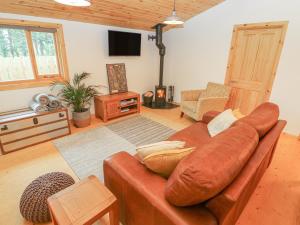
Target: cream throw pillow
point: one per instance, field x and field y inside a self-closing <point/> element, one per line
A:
<point x="145" y="150"/>
<point x="164" y="162"/>
<point x="221" y="122"/>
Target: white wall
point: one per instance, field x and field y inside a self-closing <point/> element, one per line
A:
<point x="87" y="50"/>
<point x="198" y="53"/>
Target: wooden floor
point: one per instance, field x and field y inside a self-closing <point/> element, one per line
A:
<point x="276" y="201"/>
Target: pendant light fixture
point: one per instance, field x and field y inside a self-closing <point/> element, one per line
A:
<point x="173" y="19"/>
<point x="79" y="3"/>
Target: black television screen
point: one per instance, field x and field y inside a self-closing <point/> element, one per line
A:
<point x="124" y="43"/>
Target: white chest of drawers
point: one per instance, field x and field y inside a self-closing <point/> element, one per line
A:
<point x="24" y="129"/>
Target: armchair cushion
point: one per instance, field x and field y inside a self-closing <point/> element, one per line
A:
<point x="216" y="90"/>
<point x="195" y="103"/>
<point x="191" y="95"/>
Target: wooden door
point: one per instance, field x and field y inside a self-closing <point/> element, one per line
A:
<point x="254" y="56"/>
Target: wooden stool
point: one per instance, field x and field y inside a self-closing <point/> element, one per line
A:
<point x="83" y="203"/>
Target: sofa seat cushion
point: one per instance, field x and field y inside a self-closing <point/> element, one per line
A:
<point x="189" y="106"/>
<point x="208" y="170"/>
<point x="141" y="195"/>
<point x="195" y="135"/>
<point x="263" y="118"/>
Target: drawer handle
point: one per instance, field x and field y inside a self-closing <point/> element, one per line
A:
<point x="35" y="121"/>
<point x="4" y="128"/>
<point x="61" y="115"/>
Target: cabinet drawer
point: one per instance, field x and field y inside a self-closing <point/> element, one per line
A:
<point x="31" y="122"/>
<point x="34" y="140"/>
<point x="33" y="131"/>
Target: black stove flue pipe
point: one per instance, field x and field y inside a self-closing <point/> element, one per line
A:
<point x="162" y="50"/>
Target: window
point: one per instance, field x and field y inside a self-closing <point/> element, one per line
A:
<point x="31" y="54"/>
<point x="45" y="53"/>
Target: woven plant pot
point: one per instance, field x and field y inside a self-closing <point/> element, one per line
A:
<point x="33" y="203"/>
<point x="82" y="119"/>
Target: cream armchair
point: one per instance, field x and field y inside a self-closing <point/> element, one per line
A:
<point x="195" y="103"/>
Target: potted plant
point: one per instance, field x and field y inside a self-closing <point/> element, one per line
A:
<point x="78" y="95"/>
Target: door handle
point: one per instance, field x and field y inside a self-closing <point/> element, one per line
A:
<point x="61" y="115"/>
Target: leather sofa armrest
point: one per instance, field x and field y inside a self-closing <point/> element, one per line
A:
<point x="228" y="205"/>
<point x="208" y="116"/>
<point x="129" y="169"/>
<point x="141" y="196"/>
<point x="191" y="95"/>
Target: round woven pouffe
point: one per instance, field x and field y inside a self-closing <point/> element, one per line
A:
<point x="33" y="203"/>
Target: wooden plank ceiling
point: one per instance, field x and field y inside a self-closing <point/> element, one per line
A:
<point x="138" y="14"/>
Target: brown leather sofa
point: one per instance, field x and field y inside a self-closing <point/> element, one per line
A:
<point x="141" y="193"/>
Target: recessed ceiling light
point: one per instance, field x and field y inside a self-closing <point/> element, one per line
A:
<point x="74" y="2"/>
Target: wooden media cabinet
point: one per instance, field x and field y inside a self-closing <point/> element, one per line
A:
<point x="116" y="105"/>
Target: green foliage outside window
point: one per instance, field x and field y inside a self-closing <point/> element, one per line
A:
<point x="15" y="61"/>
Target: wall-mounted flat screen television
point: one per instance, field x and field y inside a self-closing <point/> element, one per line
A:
<point x="124" y="43"/>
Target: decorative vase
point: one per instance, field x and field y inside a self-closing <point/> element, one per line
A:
<point x="82" y="119"/>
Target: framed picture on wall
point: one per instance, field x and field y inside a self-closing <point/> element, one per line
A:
<point x="116" y="75"/>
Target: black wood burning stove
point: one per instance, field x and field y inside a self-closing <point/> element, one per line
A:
<point x="160" y="95"/>
<point x="160" y="90"/>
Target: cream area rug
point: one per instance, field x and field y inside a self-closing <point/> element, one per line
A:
<point x="85" y="151"/>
